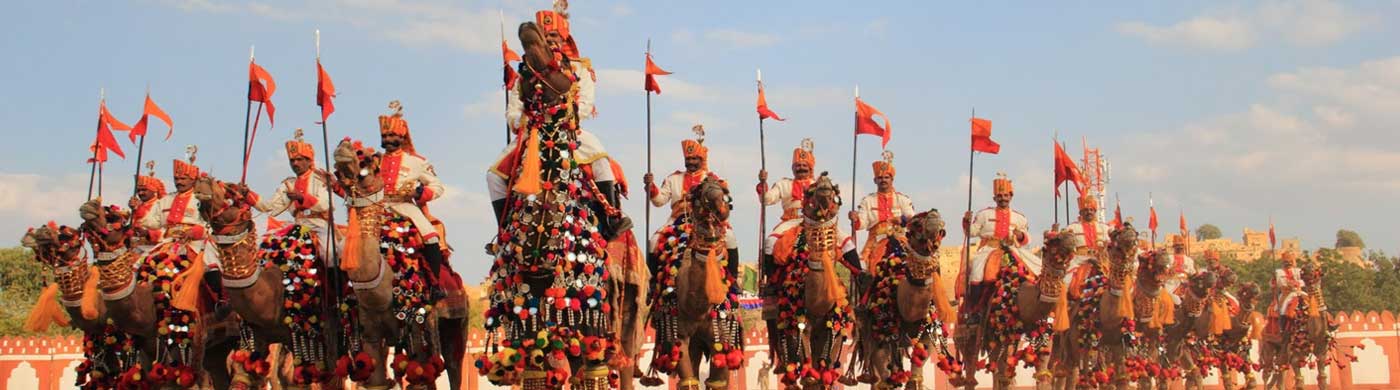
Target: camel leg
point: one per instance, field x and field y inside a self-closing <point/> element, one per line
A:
<point x="632" y="315"/>
<point x="452" y="339"/>
<point x="214" y="363"/>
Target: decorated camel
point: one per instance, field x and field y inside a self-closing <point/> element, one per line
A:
<point x="158" y="297"/>
<point x="1095" y="340"/>
<point x="1010" y="325"/>
<point x="905" y="312"/>
<point x="1302" y="332"/>
<point x="107" y="351"/>
<point x="381" y="257"/>
<point x="1155" y="311"/>
<point x="815" y="317"/>
<point x="548" y="320"/>
<point x="695" y="306"/>
<point x="1235" y="345"/>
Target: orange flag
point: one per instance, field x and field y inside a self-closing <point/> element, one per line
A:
<point x="507" y="56"/>
<point x="1065" y="170"/>
<point x="1117" y="216"/>
<point x="111" y="120"/>
<point x="99" y="153"/>
<point x="105" y="139"/>
<point x="982" y="137"/>
<point x="1184" y="232"/>
<point x="865" y="122"/>
<point x="151" y="109"/>
<point x="763" y="111"/>
<point x="1273" y="240"/>
<point x="325" y="92"/>
<point x="1152" y="218"/>
<point x="651" y="71"/>
<point x="261" y="87"/>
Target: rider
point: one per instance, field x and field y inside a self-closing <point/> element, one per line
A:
<point x="305" y="194"/>
<point x="177" y="216"/>
<point x="1288" y="286"/>
<point x="995" y="228"/>
<point x="1089" y="235"/>
<point x="675" y="189"/>
<point x="149" y="188"/>
<point x="1181" y="270"/>
<point x="882" y="212"/>
<point x="409" y="184"/>
<point x="789" y="191"/>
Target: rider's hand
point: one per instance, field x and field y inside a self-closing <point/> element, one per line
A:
<point x="763" y="176"/>
<point x="853" y="216"/>
<point x="647" y="179"/>
<point x="133" y="203"/>
<point x="295" y="197"/>
<point x="967" y="222"/>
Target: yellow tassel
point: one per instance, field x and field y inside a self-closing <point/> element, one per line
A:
<point x="90" y="295"/>
<point x="1256" y="330"/>
<point x="46" y="311"/>
<point x="187" y="286"/>
<point x="1313" y="310"/>
<point x="1166" y="308"/>
<point x="941" y="302"/>
<point x="1062" y="313"/>
<point x="529" y="180"/>
<point x="1125" y="301"/>
<point x="1219" y="318"/>
<point x="833" y="287"/>
<point x="350" y="256"/>
<point x="714" y="280"/>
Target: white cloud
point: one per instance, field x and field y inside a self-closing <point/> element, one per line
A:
<point x="1372" y="87"/>
<point x="741" y="39"/>
<point x="1202" y="32"/>
<point x="621" y="10"/>
<point x="487" y="105"/>
<point x="629" y="81"/>
<point x="1298" y="22"/>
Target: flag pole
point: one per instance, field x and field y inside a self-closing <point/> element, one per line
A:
<point x="1055" y="198"/>
<point x="1069" y="216"/>
<point x="762" y="166"/>
<point x="646" y="203"/>
<point x="248" y="108"/>
<point x="855" y="238"/>
<point x="92" y="171"/>
<point x="506" y="87"/>
<point x="967" y="237"/>
<point x="140" y="147"/>
<point x="332" y="277"/>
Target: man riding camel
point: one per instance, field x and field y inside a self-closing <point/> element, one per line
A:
<point x="996" y="228"/>
<point x="304" y="194"/>
<point x="675" y="190"/>
<point x="177" y="217"/>
<point x="149" y="188"/>
<point x="881" y="213"/>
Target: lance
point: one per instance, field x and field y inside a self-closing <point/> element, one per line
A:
<point x="140" y="147"/>
<point x="1069" y="216"/>
<point x="1055" y="200"/>
<point x="646" y="203"/>
<point x="855" y="136"/>
<point x="506" y="87"/>
<point x="92" y="171"/>
<point x="762" y="166"/>
<point x="333" y="277"/>
<point x="248" y="138"/>
<point x="967" y="237"/>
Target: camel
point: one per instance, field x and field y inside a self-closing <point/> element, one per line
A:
<point x="815" y="318"/>
<point x="107" y="351"/>
<point x="1018" y="307"/>
<point x="1155" y="311"/>
<point x="696" y="306"/>
<point x="1304" y="339"/>
<point x="905" y="311"/>
<point x="1093" y="350"/>
<point x="138" y="292"/>
<point x="1235" y="344"/>
<point x="391" y="307"/>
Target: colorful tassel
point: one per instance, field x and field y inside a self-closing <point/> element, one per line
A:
<point x="1062" y="313"/>
<point x="187" y="286"/>
<point x="350" y="256"/>
<point x="46" y="311"/>
<point x="1166" y="309"/>
<point x="1219" y="317"/>
<point x="834" y="292"/>
<point x="715" y="288"/>
<point x="529" y="181"/>
<point x="1125" y="301"/>
<point x="90" y="296"/>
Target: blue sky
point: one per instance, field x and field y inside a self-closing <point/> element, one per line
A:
<point x="1231" y="111"/>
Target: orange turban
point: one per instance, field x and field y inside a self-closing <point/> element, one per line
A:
<point x="1088" y="202"/>
<point x="186" y="170"/>
<point x="395" y="124"/>
<point x="297" y="148"/>
<point x="883" y="168"/>
<point x="693" y="148"/>
<point x="804" y="155"/>
<point x="1002" y="185"/>
<point x="150" y="183"/>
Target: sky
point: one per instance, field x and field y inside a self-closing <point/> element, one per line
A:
<point x="1229" y="112"/>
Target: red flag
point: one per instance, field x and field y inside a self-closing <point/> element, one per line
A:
<point x="261" y="87"/>
<point x="104" y="135"/>
<point x="325" y="92"/>
<point x="1152" y="219"/>
<point x="1273" y="240"/>
<point x="1184" y="232"/>
<point x="507" y="56"/>
<point x="111" y="121"/>
<point x="1065" y="170"/>
<point x="99" y="154"/>
<point x="1117" y="216"/>
<point x="982" y="137"/>
<point x="652" y="71"/>
<point x="865" y="122"/>
<point x="151" y="109"/>
<point x="763" y="111"/>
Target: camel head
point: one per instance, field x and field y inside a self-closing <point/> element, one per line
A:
<point x="925" y="232"/>
<point x="1152" y="269"/>
<point x="1122" y="243"/>
<point x="357" y="167"/>
<point x="54" y="245"/>
<point x="227" y="206"/>
<point x="544" y="64"/>
<point x="1311" y="271"/>
<point x="1203" y="284"/>
<point x="709" y="209"/>
<point x="1248" y="295"/>
<point x="1058" y="249"/>
<point x="106" y="228"/>
<point x="822" y="200"/>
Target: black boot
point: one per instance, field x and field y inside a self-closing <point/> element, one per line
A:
<point x="499" y="206"/>
<point x="215" y="280"/>
<point x="733" y="266"/>
<point x="432" y="252"/>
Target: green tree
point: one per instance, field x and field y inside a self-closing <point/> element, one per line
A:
<point x="1208" y="232"/>
<point x="1347" y="238"/>
<point x="21" y="281"/>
